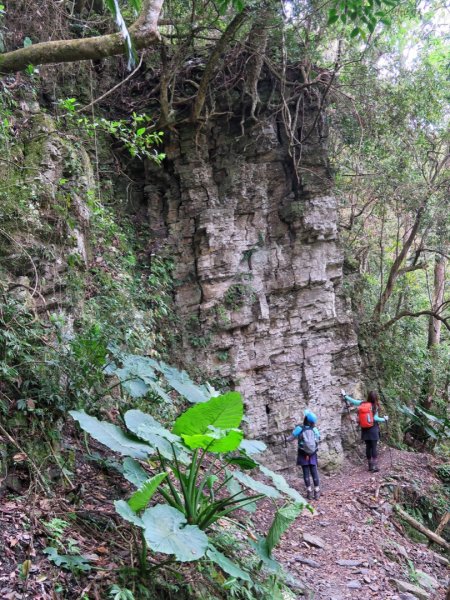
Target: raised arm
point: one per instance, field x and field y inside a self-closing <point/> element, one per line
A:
<point x="294" y="435"/>
<point x="350" y="400"/>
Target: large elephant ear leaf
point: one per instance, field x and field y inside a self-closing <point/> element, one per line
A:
<point x="183" y="384"/>
<point x="252" y="446"/>
<point x="111" y="436"/>
<point x="226" y="443"/>
<point x="260" y="547"/>
<point x="166" y="531"/>
<point x="256" y="486"/>
<point x="226" y="564"/>
<point x="141" y="423"/>
<point x="221" y="412"/>
<point x="282" y="485"/>
<point x="284" y="517"/>
<point x="159" y="438"/>
<point x="124" y="510"/>
<point x="133" y="472"/>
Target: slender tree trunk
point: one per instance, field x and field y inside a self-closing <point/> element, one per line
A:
<point x="434" y="327"/>
<point x="395" y="269"/>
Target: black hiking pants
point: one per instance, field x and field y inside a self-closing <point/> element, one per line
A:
<point x="371" y="449"/>
<point x="310" y="470"/>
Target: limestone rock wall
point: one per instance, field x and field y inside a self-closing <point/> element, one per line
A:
<point x="258" y="273"/>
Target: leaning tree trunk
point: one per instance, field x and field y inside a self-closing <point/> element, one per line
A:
<point x="396" y="267"/>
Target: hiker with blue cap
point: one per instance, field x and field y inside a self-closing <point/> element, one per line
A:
<point x="308" y="437"/>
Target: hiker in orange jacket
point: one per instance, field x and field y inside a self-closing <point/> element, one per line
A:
<point x="368" y="420"/>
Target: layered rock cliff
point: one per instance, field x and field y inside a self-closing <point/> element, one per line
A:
<point x="259" y="270"/>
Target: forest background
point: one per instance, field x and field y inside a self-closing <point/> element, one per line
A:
<point x="380" y="70"/>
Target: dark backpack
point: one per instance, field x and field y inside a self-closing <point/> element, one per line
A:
<point x="307" y="442"/>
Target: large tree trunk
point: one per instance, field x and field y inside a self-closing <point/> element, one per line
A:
<point x="144" y="32"/>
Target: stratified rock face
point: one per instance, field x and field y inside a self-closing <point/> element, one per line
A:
<point x="258" y="269"/>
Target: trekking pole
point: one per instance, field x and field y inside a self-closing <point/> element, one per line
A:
<point x="287" y="455"/>
<point x="388" y="430"/>
<point x="389" y="446"/>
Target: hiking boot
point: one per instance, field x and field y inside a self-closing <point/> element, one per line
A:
<point x="308" y="493"/>
<point x="370" y="465"/>
<point x="375" y="468"/>
<point x="316" y="493"/>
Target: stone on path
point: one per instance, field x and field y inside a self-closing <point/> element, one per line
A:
<point x="404" y="586"/>
<point x="350" y="563"/>
<point x="309" y="562"/>
<point x="426" y="580"/>
<point x="314" y="540"/>
<point x="354" y="584"/>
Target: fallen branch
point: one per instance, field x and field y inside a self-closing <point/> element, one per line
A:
<point x="427" y="532"/>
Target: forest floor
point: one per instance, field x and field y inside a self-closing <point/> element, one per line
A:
<point x="364" y="546"/>
<point x="356" y="548"/>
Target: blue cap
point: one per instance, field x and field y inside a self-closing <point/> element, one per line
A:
<point x="310" y="416"/>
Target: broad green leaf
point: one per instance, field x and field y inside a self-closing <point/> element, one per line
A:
<point x="252" y="446"/>
<point x="284" y="517"/>
<point x="124" y="510"/>
<point x="141" y="366"/>
<point x="282" y="485"/>
<point x="244" y="462"/>
<point x="262" y="551"/>
<point x="228" y="443"/>
<point x="182" y="383"/>
<point x="133" y="472"/>
<point x="166" y="531"/>
<point x="140" y="499"/>
<point x="161" y="393"/>
<point x="161" y="439"/>
<point x="222" y="412"/>
<point x="256" y="486"/>
<point x="111" y="436"/>
<point x="226" y="564"/>
<point x="135" y="387"/>
<point x="234" y="488"/>
<point x="141" y="424"/>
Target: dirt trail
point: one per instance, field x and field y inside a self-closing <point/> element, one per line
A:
<point x="355" y="526"/>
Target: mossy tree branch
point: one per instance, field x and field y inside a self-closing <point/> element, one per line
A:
<point x="144" y="33"/>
